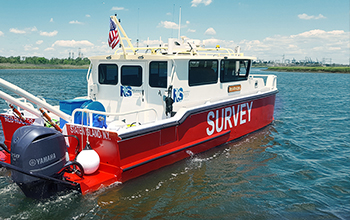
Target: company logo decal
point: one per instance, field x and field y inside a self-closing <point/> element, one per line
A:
<point x="178" y="94"/>
<point x="125" y="91"/>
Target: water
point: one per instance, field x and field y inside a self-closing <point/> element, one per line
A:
<point x="296" y="168"/>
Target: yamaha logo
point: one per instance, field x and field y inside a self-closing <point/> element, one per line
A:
<point x="41" y="160"/>
<point x="32" y="162"/>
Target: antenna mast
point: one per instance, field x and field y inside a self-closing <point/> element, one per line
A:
<point x="179" y="23"/>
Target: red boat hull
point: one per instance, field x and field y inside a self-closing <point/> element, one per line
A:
<point x="130" y="155"/>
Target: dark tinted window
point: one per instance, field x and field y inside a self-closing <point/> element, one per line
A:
<point x="234" y="70"/>
<point x="131" y="75"/>
<point x="201" y="72"/>
<point x="108" y="74"/>
<point x="158" y="73"/>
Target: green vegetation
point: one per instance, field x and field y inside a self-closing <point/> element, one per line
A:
<point x="321" y="69"/>
<point x="42" y="63"/>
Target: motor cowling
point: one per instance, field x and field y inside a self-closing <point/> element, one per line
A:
<point x="38" y="150"/>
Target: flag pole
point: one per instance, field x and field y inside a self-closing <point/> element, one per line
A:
<point x="124" y="37"/>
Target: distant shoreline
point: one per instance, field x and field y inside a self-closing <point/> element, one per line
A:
<point x="318" y="69"/>
<point x="41" y="66"/>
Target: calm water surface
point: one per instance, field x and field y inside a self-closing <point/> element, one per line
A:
<point x="296" y="168"/>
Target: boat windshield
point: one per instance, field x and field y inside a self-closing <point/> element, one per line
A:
<point x="234" y="70"/>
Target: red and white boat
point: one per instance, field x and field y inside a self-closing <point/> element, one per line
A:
<point x="145" y="108"/>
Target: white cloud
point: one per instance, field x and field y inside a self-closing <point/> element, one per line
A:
<point x="49" y="49"/>
<point x="39" y="42"/>
<point x="48" y="34"/>
<point x="191" y="31"/>
<point x="51" y="20"/>
<point x="75" y="22"/>
<point x="88" y="16"/>
<point x="210" y="31"/>
<point x="16" y="31"/>
<point x="320" y="34"/>
<point x="168" y="13"/>
<point x="317" y="44"/>
<point x="118" y="9"/>
<point x="1" y="33"/>
<point x="213" y="42"/>
<point x="30" y="48"/>
<point x="309" y="17"/>
<point x="187" y="22"/>
<point x="24" y="31"/>
<point x="334" y="48"/>
<point x="72" y="43"/>
<point x="195" y="3"/>
<point x="168" y="25"/>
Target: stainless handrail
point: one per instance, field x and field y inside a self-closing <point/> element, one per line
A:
<point x="90" y="112"/>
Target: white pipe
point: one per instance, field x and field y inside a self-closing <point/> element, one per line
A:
<point x="20" y="104"/>
<point x="32" y="98"/>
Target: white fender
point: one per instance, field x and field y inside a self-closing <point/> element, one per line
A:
<point x="90" y="161"/>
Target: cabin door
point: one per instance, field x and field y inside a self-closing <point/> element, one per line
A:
<point x="157" y="85"/>
<point x="132" y="92"/>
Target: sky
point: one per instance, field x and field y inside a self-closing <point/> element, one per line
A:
<point x="269" y="29"/>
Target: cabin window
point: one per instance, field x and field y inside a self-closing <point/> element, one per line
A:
<point x="202" y="72"/>
<point x="108" y="74"/>
<point x="131" y="75"/>
<point x="158" y="74"/>
<point x="234" y="70"/>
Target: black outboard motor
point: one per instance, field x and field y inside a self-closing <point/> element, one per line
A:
<point x="40" y="151"/>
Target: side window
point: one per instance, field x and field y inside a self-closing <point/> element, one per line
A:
<point x="108" y="74"/>
<point x="234" y="70"/>
<point x="244" y="68"/>
<point x="158" y="74"/>
<point x="201" y="72"/>
<point x="131" y="75"/>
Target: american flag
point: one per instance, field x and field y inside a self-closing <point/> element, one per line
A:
<point x="113" y="38"/>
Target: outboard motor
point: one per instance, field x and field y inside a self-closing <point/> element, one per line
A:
<point x="40" y="151"/>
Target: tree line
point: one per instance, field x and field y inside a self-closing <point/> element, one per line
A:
<point x="42" y="60"/>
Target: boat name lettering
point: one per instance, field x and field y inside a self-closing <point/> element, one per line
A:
<point x="228" y="115"/>
<point x="41" y="160"/>
<point x="90" y="132"/>
<point x="13" y="119"/>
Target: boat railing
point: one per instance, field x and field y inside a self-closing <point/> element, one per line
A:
<point x="30" y="97"/>
<point x="152" y="50"/>
<point x="217" y="52"/>
<point x="194" y="52"/>
<point x="91" y="112"/>
<point x="270" y="80"/>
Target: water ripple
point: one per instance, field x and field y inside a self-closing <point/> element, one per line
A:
<point x="296" y="168"/>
